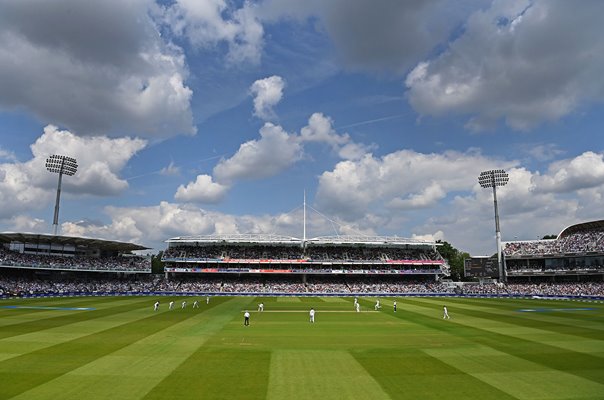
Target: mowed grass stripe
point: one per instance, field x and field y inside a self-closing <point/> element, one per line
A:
<point x="416" y="375"/>
<point x="15" y="346"/>
<point x="69" y="317"/>
<point x="134" y="370"/>
<point x="228" y="372"/>
<point x="327" y="375"/>
<point x="533" y="319"/>
<point x="520" y="378"/>
<point x="284" y="299"/>
<point x="29" y="370"/>
<point x="503" y="324"/>
<point x="596" y="317"/>
<point x="217" y="374"/>
<point x="592" y="319"/>
<point x="9" y="316"/>
<point x="580" y="364"/>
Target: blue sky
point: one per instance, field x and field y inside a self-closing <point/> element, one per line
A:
<point x="214" y="116"/>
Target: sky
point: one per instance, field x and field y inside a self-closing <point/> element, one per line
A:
<point x="199" y="117"/>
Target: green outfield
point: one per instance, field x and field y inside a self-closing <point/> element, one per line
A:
<point x="122" y="349"/>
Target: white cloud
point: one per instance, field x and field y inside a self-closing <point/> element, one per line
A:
<point x="522" y="61"/>
<point x="582" y="172"/>
<point x="275" y="151"/>
<point x="544" y="152"/>
<point x="267" y="93"/>
<point x="209" y="23"/>
<point x="438" y="235"/>
<point x="320" y="130"/>
<point x="25" y="223"/>
<point x="7" y="155"/>
<point x="203" y="190"/>
<point x="428" y="196"/>
<point x="170" y="170"/>
<point x="152" y="225"/>
<point x="28" y="186"/>
<point x="403" y="179"/>
<point x="96" y="68"/>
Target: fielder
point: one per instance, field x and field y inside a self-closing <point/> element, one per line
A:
<point x="445" y="313"/>
<point x="312" y="315"/>
<point x="171" y="306"/>
<point x="156" y="306"/>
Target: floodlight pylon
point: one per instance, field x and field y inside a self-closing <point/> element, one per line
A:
<point x="492" y="179"/>
<point x="61" y="165"/>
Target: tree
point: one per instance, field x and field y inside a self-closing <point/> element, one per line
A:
<point x="454" y="257"/>
<point x="157" y="266"/>
<point x="549" y="237"/>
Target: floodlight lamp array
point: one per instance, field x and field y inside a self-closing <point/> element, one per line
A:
<point x="492" y="178"/>
<point x="61" y="164"/>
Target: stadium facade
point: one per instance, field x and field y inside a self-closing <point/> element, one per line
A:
<point x="577" y="253"/>
<point x="283" y="255"/>
<point x="42" y="253"/>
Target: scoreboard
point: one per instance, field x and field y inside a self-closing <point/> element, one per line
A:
<point x="481" y="267"/>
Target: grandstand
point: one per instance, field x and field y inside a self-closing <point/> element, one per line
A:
<point x="578" y="251"/>
<point x="42" y="253"/>
<point x="263" y="255"/>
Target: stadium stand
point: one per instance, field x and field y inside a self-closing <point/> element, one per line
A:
<point x="577" y="251"/>
<point x="283" y="255"/>
<point x="49" y="252"/>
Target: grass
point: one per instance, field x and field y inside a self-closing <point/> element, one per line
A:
<point x="124" y="350"/>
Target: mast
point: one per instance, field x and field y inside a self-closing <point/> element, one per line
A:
<point x="304" y="222"/>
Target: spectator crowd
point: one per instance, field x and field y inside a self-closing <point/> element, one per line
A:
<point x="330" y="253"/>
<point x="577" y="242"/>
<point x="21" y="285"/>
<point x="119" y="263"/>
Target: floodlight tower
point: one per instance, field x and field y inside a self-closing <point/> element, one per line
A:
<point x="488" y="179"/>
<point x="60" y="165"/>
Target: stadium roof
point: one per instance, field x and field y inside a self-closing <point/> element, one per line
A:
<point x="235" y="238"/>
<point x="279" y="239"/>
<point x="367" y="240"/>
<point x="8" y="237"/>
<point x="584" y="226"/>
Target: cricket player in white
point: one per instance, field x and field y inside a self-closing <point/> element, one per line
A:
<point x="261" y="307"/>
<point x="377" y="305"/>
<point x="207" y="299"/>
<point x="195" y="304"/>
<point x="394" y="305"/>
<point x="171" y="306"/>
<point x="156" y="306"/>
<point x="356" y="301"/>
<point x="184" y="304"/>
<point x="445" y="313"/>
<point x="312" y="315"/>
<point x="246" y="318"/>
<point x="357" y="307"/>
